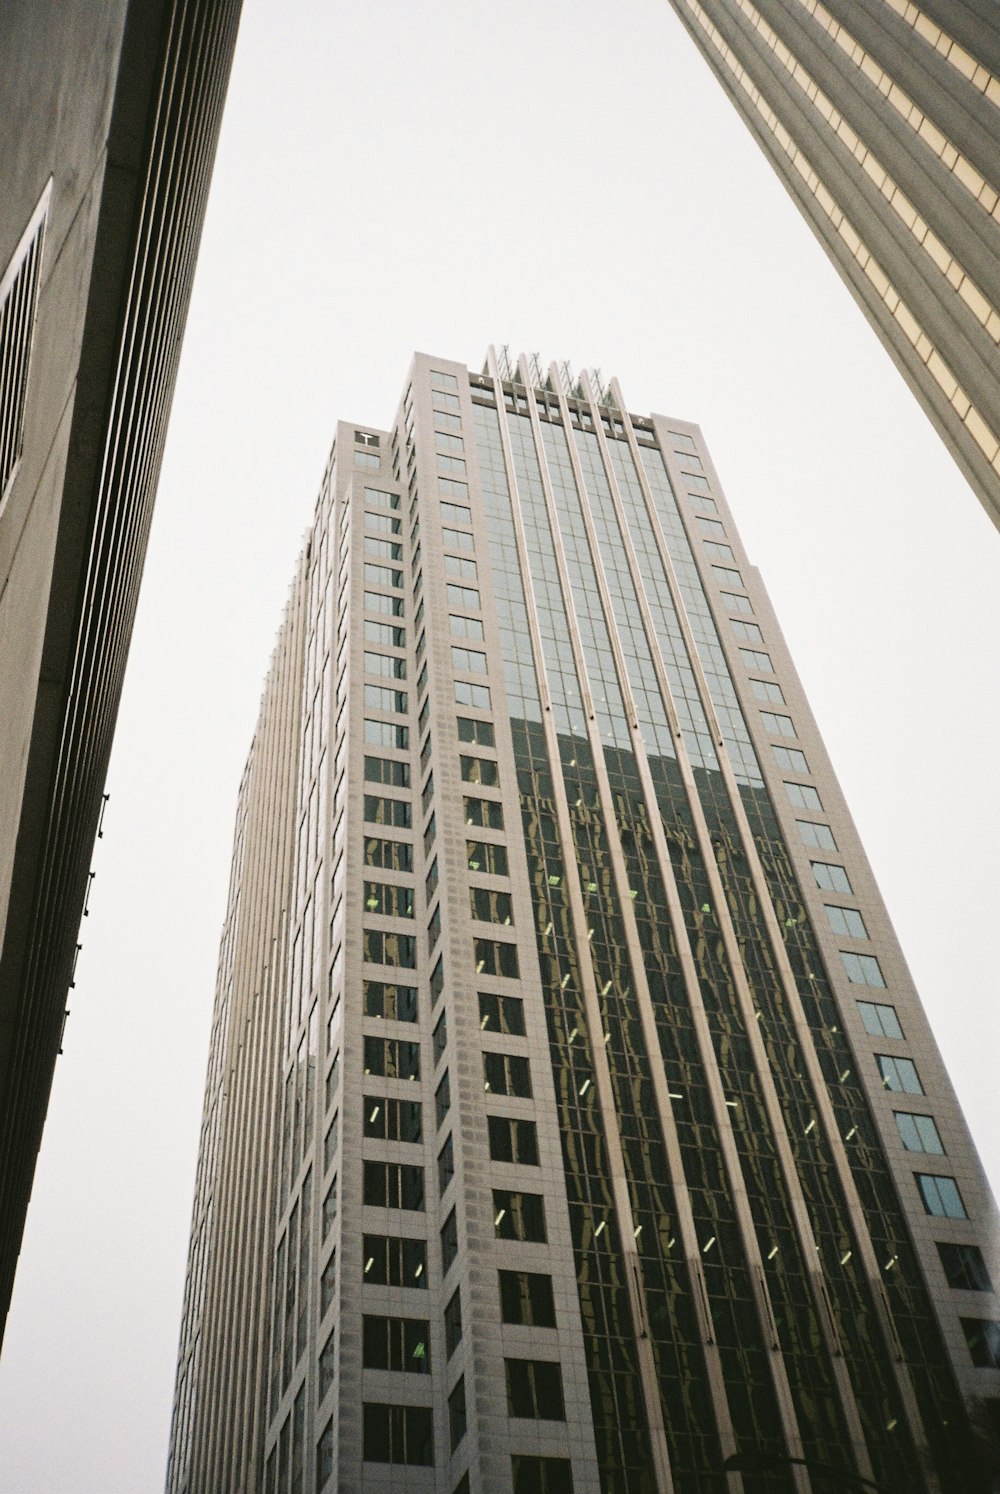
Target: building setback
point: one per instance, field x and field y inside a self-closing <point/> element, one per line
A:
<point x="882" y="119"/>
<point x="111" y="113"/>
<point x="571" y="1120"/>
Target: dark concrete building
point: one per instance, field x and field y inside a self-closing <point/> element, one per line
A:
<point x="571" y="1123"/>
<point x="110" y="112"/>
<point x="882" y="118"/>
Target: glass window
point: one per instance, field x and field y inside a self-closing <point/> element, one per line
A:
<point x="819" y="836"/>
<point x="486" y="857"/>
<point x="443" y="441"/>
<point x="846" y="921"/>
<point x="485" y="812"/>
<point x="381" y="498"/>
<point x="862" y="970"/>
<point x="446" y="1165"/>
<point x="370" y="461"/>
<point x="726" y="576"/>
<point x="767" y="690"/>
<point x="376" y="632"/>
<point x="982" y="1338"/>
<point x="393" y="1185"/>
<point x="390" y="1261"/>
<point x="391" y="1120"/>
<point x="519" y="1216"/>
<point x="397" y="1434"/>
<point x="749" y="632"/>
<point x="964" y="1268"/>
<point x="444" y="421"/>
<point x="736" y="603"/>
<point x="456" y="513"/>
<point x="755" y="658"/>
<point x="482" y="770"/>
<point x="457" y="565"/>
<point x="442" y="1100"/>
<point x="387" y="734"/>
<point x="381" y="811"/>
<point x="395" y="1003"/>
<point x="393" y="855"/>
<point x="479" y="733"/>
<point x="463" y="596"/>
<point x="899" y="1074"/>
<point x="513" y="1140"/>
<point x="720" y="552"/>
<point x="387" y="770"/>
<point x="714" y="528"/>
<point x="376" y="601"/>
<point x="453" y="1322"/>
<point x="790" y="759"/>
<point x="467" y="660"/>
<point x="457" y="539"/>
<point x="457" y="1422"/>
<point x="392" y="1058"/>
<point x="533" y="1475"/>
<point x="467" y="627"/>
<point x="534" y="1388"/>
<point x="918" y="1133"/>
<point x="803" y="796"/>
<point x="452" y="487"/>
<point x="941" y="1196"/>
<point x="381" y="948"/>
<point x="491" y="907"/>
<point x="440" y="1037"/>
<point x="880" y="1019"/>
<point x="449" y="1242"/>
<point x="400" y="1344"/>
<point x="493" y="958"/>
<point x="507" y="1074"/>
<point x="445" y="381"/>
<point x="378" y="698"/>
<point x="501" y="1014"/>
<point x="390" y="666"/>
<point x="476" y="696"/>
<point x="526" y="1297"/>
<point x="387" y="898"/>
<point x="777" y="726"/>
<point x="830" y="877"/>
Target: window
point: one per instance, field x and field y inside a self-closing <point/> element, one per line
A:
<point x="519" y="1216"/>
<point x="491" y="907"/>
<point x="394" y="1185"/>
<point x="376" y="632"/>
<point x="440" y="1037"/>
<point x="791" y="759"/>
<point x="493" y="958"/>
<point x="327" y="1364"/>
<point x="434" y="929"/>
<point x="437" y="980"/>
<point x="899" y="1074"/>
<point x="802" y="795"/>
<point x="370" y="461"/>
<point x="457" y="565"/>
<point x="501" y="1014"/>
<point x="444" y="421"/>
<point x="383" y="524"/>
<point x="427" y="794"/>
<point x="387" y="734"/>
<point x="382" y="549"/>
<point x="735" y="603"/>
<point x="392" y="1058"/>
<point x="389" y="1261"/>
<point x="767" y="690"/>
<point x="19" y="286"/>
<point x="507" y="1074"/>
<point x="388" y="899"/>
<point x="964" y="1268"/>
<point x="466" y="597"/>
<point x="526" y="1297"/>
<point x="449" y="1242"/>
<point x="442" y="1100"/>
<point x="456" y="513"/>
<point x="379" y="811"/>
<point x="398" y="1434"/>
<point x="376" y="601"/>
<point x="982" y="1338"/>
<point x="476" y="696"/>
<point x="452" y="464"/>
<point x="941" y="1196"/>
<point x="387" y="665"/>
<point x="324" y="1455"/>
<point x="445" y="442"/>
<point x="754" y="659"/>
<point x="918" y="1133"/>
<point x="726" y="576"/>
<point x="719" y="552"/>
<point x="382" y="575"/>
<point x="534" y="1388"/>
<point x="366" y="438"/>
<point x="444" y="381"/>
<point x="846" y="921"/>
<point x="446" y="1165"/>
<point x="777" y="726"/>
<point x="479" y="733"/>
<point x="467" y="660"/>
<point x="712" y="527"/>
<point x="452" y="487"/>
<point x="533" y="1475"/>
<point x="392" y="855"/>
<point x="391" y="1120"/>
<point x="401" y="1344"/>
<point x="457" y="539"/>
<point x="467" y="627"/>
<point x="381" y="499"/>
<point x="441" y="400"/>
<point x="485" y="812"/>
<point x="485" y="857"/>
<point x="378" y="698"/>
<point x="830" y="877"/>
<point x="749" y="632"/>
<point x="862" y="970"/>
<point x="381" y="948"/>
<point x="330" y="1204"/>
<point x="456" y="1415"/>
<point x="818" y="836"/>
<point x="879" y="1019"/>
<point x="513" y="1140"/>
<point x="479" y="770"/>
<point x="453" y="1323"/>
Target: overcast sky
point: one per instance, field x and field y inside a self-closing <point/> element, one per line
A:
<point x="567" y="177"/>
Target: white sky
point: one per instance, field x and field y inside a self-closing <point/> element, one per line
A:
<point x="565" y="176"/>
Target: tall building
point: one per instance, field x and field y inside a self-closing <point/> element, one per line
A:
<point x="111" y="113"/>
<point x="571" y="1120"/>
<point x="882" y="118"/>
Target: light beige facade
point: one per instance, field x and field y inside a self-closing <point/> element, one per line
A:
<point x="572" y="1122"/>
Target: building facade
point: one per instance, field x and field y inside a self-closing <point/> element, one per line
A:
<point x="882" y="119"/>
<point x="111" y="113"/>
<point x="571" y="1120"/>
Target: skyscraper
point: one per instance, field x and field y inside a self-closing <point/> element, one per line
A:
<point x="111" y="114"/>
<point x="571" y="1121"/>
<point x="882" y="118"/>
